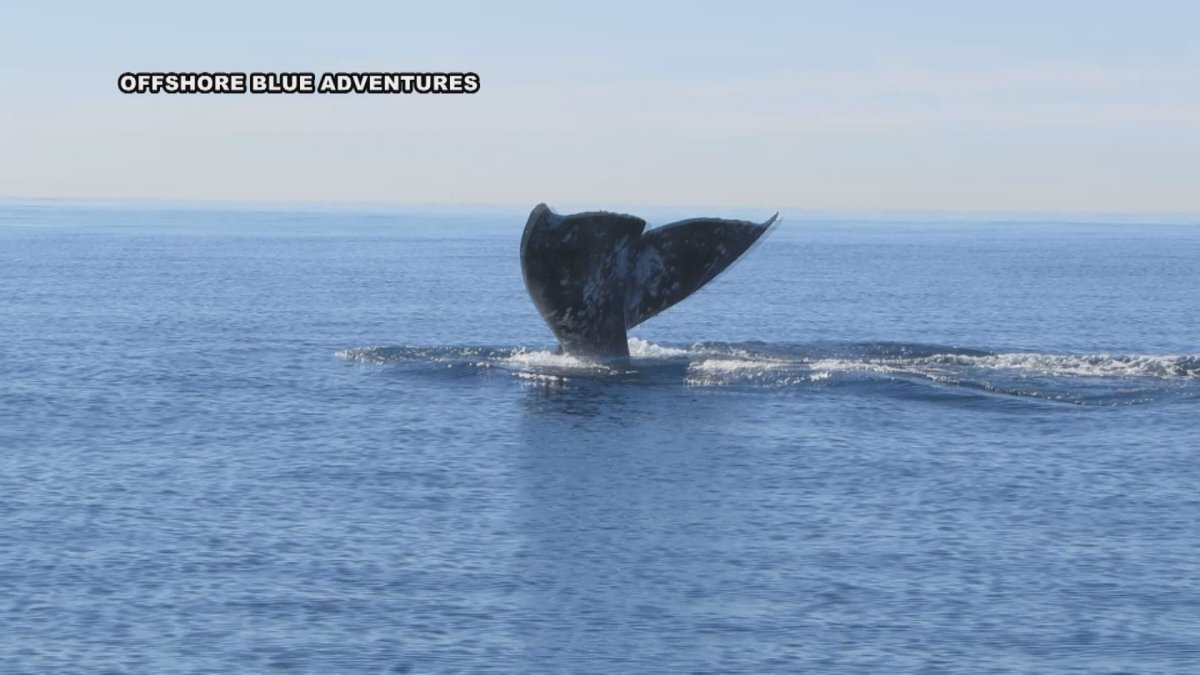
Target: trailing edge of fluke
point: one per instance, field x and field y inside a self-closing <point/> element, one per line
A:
<point x="595" y="275"/>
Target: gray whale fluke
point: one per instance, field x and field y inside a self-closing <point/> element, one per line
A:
<point x="595" y="275"/>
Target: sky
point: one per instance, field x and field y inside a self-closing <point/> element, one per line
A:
<point x="964" y="105"/>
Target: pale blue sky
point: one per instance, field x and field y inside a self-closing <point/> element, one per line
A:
<point x="1075" y="106"/>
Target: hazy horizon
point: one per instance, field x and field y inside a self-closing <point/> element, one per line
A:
<point x="654" y="214"/>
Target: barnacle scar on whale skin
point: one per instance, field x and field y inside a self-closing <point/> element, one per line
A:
<point x="595" y="275"/>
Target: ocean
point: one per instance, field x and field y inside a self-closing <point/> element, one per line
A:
<point x="289" y="438"/>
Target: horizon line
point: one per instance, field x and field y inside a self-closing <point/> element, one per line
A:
<point x="476" y="207"/>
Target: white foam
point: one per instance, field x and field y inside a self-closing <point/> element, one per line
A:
<point x="364" y="354"/>
<point x="545" y="359"/>
<point x="734" y="365"/>
<point x="827" y="366"/>
<point x="1086" y="365"/>
<point x="727" y="370"/>
<point x="644" y="349"/>
<point x="541" y="378"/>
<point x="1054" y="365"/>
<point x="729" y="364"/>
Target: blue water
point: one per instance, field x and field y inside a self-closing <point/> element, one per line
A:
<point x="340" y="440"/>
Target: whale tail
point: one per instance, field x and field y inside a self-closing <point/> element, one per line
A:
<point x="593" y="276"/>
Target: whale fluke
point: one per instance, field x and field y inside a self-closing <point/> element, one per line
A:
<point x="593" y="276"/>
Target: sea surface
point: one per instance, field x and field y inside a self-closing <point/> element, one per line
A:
<point x="341" y="440"/>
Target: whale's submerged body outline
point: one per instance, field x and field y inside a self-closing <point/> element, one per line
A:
<point x="595" y="275"/>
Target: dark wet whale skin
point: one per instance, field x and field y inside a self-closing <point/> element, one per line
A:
<point x="595" y="275"/>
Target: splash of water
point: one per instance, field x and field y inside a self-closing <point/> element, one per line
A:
<point x="1079" y="378"/>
